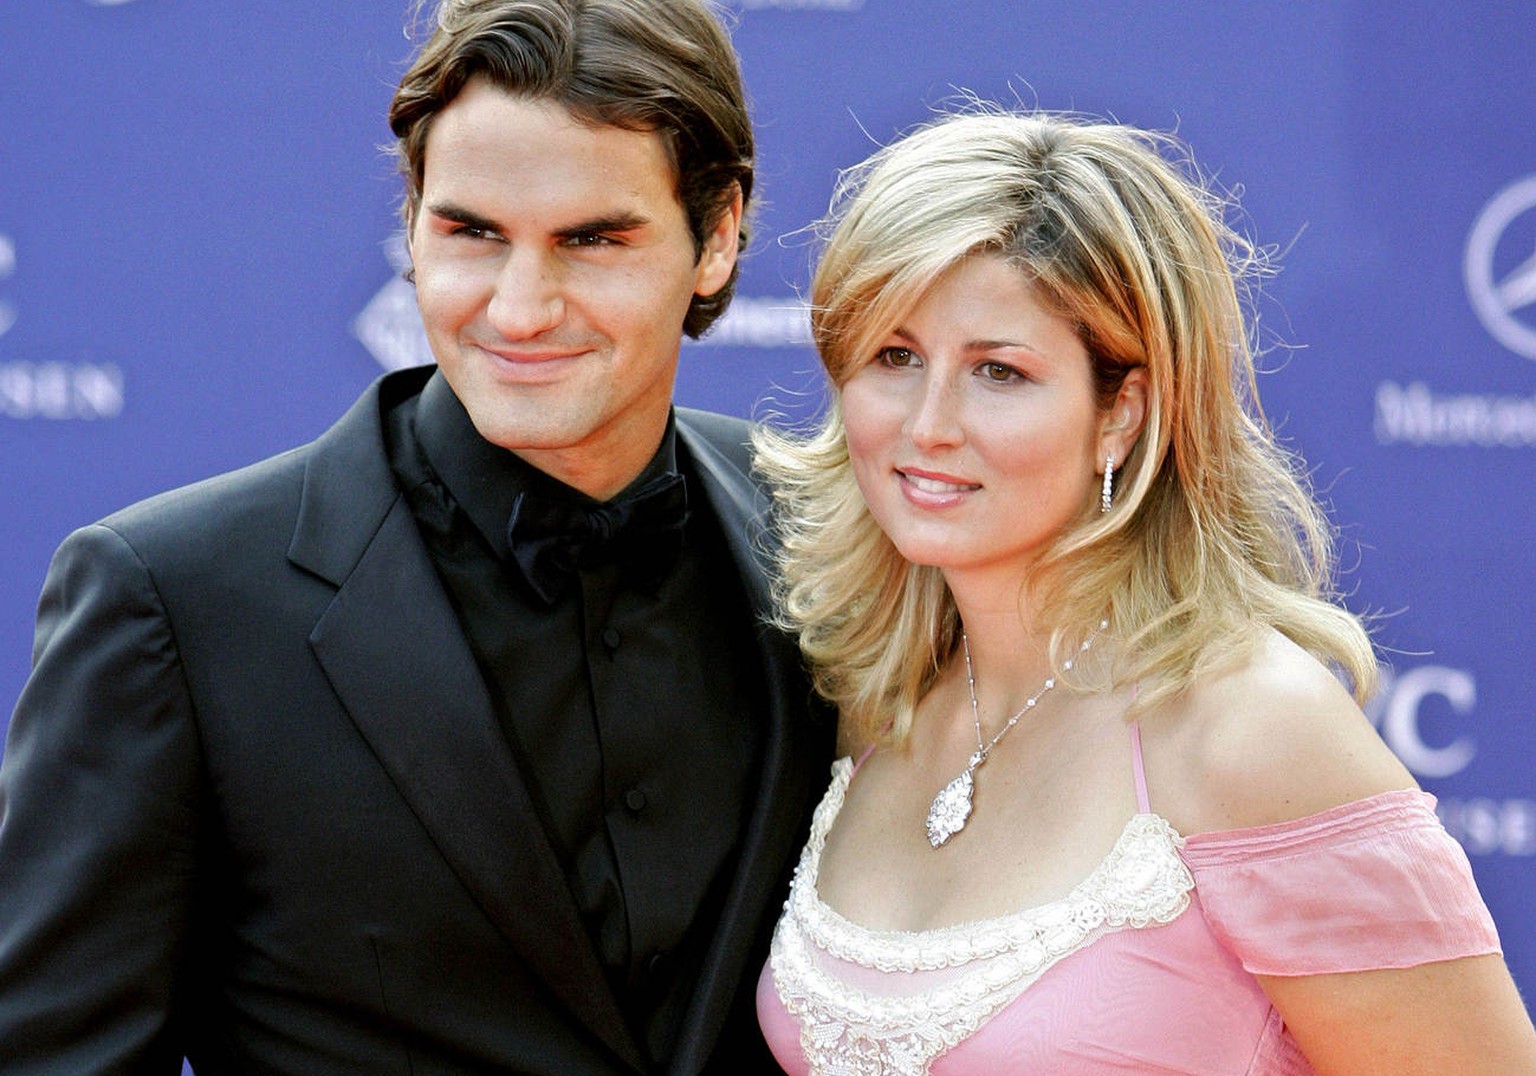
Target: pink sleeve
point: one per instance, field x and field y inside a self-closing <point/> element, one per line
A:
<point x="779" y="1028"/>
<point x="1372" y="884"/>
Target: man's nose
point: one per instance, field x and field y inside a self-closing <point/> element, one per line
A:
<point x="527" y="300"/>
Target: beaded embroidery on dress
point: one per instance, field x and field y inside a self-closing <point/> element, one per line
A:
<point x="957" y="977"/>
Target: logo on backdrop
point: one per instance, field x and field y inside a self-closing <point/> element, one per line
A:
<point x="7" y="268"/>
<point x="52" y="389"/>
<point x="1396" y="711"/>
<point x="1499" y="270"/>
<point x="390" y="325"/>
<point x="1505" y="298"/>
<point x="1414" y="414"/>
<point x="761" y="321"/>
<point x="1409" y="704"/>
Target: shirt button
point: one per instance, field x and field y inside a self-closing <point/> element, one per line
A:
<point x="611" y="638"/>
<point x="658" y="965"/>
<point x="635" y="800"/>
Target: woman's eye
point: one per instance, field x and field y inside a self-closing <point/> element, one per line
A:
<point x="999" y="372"/>
<point x="896" y="357"/>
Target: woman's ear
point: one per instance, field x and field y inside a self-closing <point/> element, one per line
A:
<point x="1121" y="425"/>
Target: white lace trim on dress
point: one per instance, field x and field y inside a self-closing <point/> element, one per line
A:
<point x="961" y="975"/>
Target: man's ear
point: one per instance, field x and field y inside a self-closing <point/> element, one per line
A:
<point x="721" y="246"/>
<point x="1120" y="426"/>
<point x="410" y="245"/>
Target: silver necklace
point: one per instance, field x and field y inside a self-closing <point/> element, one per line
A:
<point x="951" y="808"/>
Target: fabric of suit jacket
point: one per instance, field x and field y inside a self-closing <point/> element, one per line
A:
<point x="256" y="806"/>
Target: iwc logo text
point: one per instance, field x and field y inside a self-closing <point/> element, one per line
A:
<point x="1408" y="702"/>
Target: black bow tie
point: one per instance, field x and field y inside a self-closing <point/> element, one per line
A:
<point x="551" y="539"/>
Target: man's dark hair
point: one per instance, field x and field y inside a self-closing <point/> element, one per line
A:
<point x="647" y="65"/>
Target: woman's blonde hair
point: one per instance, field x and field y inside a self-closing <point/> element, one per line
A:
<point x="1214" y="530"/>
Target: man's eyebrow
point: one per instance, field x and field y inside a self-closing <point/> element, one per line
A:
<point x="459" y="215"/>
<point x="618" y="222"/>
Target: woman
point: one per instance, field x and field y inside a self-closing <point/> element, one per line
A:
<point x="1113" y="809"/>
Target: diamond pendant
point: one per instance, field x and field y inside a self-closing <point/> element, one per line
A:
<point x="951" y="807"/>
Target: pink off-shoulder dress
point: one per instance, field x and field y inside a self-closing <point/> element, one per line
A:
<point x="1147" y="966"/>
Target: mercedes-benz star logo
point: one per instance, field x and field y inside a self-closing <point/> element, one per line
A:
<point x="1505" y="304"/>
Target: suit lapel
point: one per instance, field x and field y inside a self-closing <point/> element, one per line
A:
<point x="795" y="748"/>
<point x="392" y="648"/>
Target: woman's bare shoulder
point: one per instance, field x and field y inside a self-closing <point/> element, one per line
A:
<point x="1269" y="737"/>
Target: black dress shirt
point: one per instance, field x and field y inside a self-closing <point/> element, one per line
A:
<point x="633" y="704"/>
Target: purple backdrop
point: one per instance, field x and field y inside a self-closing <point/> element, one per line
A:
<point x="198" y="268"/>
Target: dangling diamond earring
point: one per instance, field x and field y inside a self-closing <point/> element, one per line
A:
<point x="1106" y="496"/>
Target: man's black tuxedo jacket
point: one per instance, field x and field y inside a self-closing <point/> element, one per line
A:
<point x="256" y="805"/>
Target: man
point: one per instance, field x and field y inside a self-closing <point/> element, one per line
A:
<point x="453" y="741"/>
